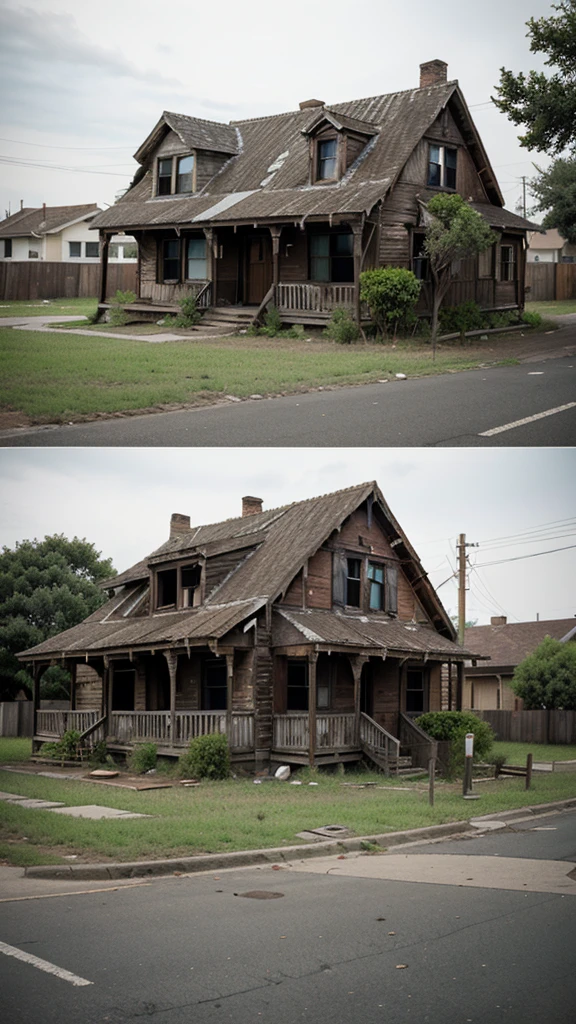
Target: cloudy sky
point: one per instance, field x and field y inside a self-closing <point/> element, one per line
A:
<point x="511" y="502"/>
<point x="84" y="83"/>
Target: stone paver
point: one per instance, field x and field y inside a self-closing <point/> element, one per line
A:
<point x="96" y="812"/>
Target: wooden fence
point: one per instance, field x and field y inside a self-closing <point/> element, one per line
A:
<point x="547" y="282"/>
<point x="532" y="726"/>
<point x="16" y="718"/>
<point x="31" y="280"/>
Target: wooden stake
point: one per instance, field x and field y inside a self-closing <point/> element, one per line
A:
<point x="528" y="771"/>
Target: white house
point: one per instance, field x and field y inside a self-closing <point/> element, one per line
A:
<point x="549" y="247"/>
<point x="59" y="234"/>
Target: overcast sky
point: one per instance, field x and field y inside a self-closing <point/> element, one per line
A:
<point x="122" y="500"/>
<point x="84" y="83"/>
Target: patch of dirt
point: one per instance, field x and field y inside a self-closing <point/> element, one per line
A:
<point x="10" y="420"/>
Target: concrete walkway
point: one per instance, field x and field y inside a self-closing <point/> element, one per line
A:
<point x="41" y="323"/>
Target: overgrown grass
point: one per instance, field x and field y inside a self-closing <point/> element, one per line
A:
<point x="516" y="753"/>
<point x="552" y="308"/>
<point x="52" y="377"/>
<point x="51" y="307"/>
<point x="236" y="814"/>
<point x="13" y="749"/>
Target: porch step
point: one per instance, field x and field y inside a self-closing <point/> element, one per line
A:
<point x="227" y="319"/>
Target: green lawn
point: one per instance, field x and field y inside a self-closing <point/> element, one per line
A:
<point x="552" y="308"/>
<point x="52" y="307"/>
<point x="55" y="377"/>
<point x="516" y="753"/>
<point x="236" y="814"/>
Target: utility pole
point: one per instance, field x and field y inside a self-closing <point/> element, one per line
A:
<point x="524" y="196"/>
<point x="461" y="550"/>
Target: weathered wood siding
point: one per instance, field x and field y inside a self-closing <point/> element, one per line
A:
<point x="263" y="690"/>
<point x="227" y="266"/>
<point x="88" y="689"/>
<point x="243" y="683"/>
<point x="385" y="677"/>
<point x="319" y="583"/>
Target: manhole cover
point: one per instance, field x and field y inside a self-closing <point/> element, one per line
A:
<point x="331" y="831"/>
<point x="261" y="894"/>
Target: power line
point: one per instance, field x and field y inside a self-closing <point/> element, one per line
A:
<point x="518" y="558"/>
<point x="86" y="149"/>
<point x="14" y="162"/>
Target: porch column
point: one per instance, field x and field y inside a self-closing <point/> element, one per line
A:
<point x="312" y="659"/>
<point x="357" y="663"/>
<point x="357" y="230"/>
<point x="36" y="673"/>
<point x="172" y="662"/>
<point x="459" y="685"/>
<point x="229" y="682"/>
<point x="104" y="246"/>
<point x="275" y="231"/>
<point x="211" y="253"/>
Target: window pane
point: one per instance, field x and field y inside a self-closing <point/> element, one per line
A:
<point x="171" y="260"/>
<point x="433" y="174"/>
<point x="92" y="249"/>
<point x="164" y="177"/>
<point x="376" y="572"/>
<point x="376" y="597"/>
<point x="343" y="245"/>
<point x="319" y="269"/>
<point x="184" y="178"/>
<point x="450" y="168"/>
<point x="342" y="269"/>
<point x="320" y="245"/>
<point x="297" y="686"/>
<point x="327" y="159"/>
<point x="7" y="246"/>
<point x="353" y="582"/>
<point x="75" y="249"/>
<point x="196" y="260"/>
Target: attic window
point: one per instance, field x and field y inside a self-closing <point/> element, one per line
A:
<point x="327" y="156"/>
<point x="442" y="167"/>
<point x="167" y="587"/>
<point x="184" y="174"/>
<point x="190" y="585"/>
<point x="164" y="176"/>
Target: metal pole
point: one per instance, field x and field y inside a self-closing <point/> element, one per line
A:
<point x="431" y="774"/>
<point x="528" y="771"/>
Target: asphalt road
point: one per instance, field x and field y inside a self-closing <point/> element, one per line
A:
<point x="330" y="950"/>
<point x="452" y="410"/>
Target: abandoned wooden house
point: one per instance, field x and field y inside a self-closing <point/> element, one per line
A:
<point x="288" y="210"/>
<point x="308" y="634"/>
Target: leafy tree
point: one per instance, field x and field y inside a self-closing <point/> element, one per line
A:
<point x="545" y="105"/>
<point x="45" y="587"/>
<point x="547" y="677"/>
<point x="555" y="192"/>
<point x="391" y="294"/>
<point x="455" y="232"/>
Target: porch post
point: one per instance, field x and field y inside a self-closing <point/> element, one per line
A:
<point x="312" y="659"/>
<point x="357" y="230"/>
<point x="275" y="231"/>
<point x="172" y="661"/>
<point x="104" y="246"/>
<point x="357" y="664"/>
<point x="229" y="682"/>
<point x="211" y="243"/>
<point x="459" y="685"/>
<point x="36" y="673"/>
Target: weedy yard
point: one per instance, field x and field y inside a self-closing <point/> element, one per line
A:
<point x="237" y="814"/>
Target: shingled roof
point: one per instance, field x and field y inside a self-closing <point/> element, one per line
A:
<point x="272" y="547"/>
<point x="269" y="174"/>
<point x="44" y="220"/>
<point x="509" y="643"/>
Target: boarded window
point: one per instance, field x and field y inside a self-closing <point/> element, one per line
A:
<point x="185" y="174"/>
<point x="391" y="590"/>
<point x="196" y="259"/>
<point x="297" y="685"/>
<point x="164" y="177"/>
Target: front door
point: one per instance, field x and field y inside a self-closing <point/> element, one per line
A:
<point x="258" y="268"/>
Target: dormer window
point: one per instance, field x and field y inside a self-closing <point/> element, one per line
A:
<point x="190" y="585"/>
<point x="442" y="166"/>
<point x="175" y="175"/>
<point x="167" y="588"/>
<point x="327" y="160"/>
<point x="179" y="587"/>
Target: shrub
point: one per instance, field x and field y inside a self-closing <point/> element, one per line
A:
<point x="142" y="758"/>
<point x="208" y="757"/>
<point x="466" y="317"/>
<point x="65" y="749"/>
<point x="532" y="319"/>
<point x="504" y="318"/>
<point x="342" y="327"/>
<point x="272" y="323"/>
<point x="117" y="316"/>
<point x="391" y="294"/>
<point x="453" y="726"/>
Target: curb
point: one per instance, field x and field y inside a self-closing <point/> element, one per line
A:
<point x="245" y="858"/>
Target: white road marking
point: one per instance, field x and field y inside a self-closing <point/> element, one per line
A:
<point x="42" y="965"/>
<point x="527" y="419"/>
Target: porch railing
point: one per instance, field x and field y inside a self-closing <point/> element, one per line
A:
<point x="421" y="746"/>
<point x="138" y="726"/>
<point x="376" y="740"/>
<point x="315" y="298"/>
<point x="204" y="296"/>
<point x="333" y="731"/>
<point x="56" y="723"/>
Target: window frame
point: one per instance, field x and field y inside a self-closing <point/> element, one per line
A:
<point x="331" y="256"/>
<point x="303" y="687"/>
<point x="171" y="181"/>
<point x="187" y="258"/>
<point x="7" y="248"/>
<point x="186" y="595"/>
<point x="161" y="189"/>
<point x="444" y="169"/>
<point x="178" y="174"/>
<point x="508" y="274"/>
<point x="74" y="255"/>
<point x="93" y="255"/>
<point x="320" y="160"/>
<point x="164" y="259"/>
<point x="341" y="578"/>
<point x="424" y="689"/>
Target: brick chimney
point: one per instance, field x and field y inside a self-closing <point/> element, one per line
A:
<point x="251" y="506"/>
<point x="179" y="524"/>
<point x="308" y="104"/>
<point x="434" y="72"/>
<point x="498" y="620"/>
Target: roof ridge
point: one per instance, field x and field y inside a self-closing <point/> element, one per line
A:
<point x="193" y="117"/>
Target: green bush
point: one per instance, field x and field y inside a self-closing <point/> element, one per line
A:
<point x="142" y="758"/>
<point x="272" y="323"/>
<point x="504" y="318"/>
<point x="466" y="317"/>
<point x="117" y="316"/>
<point x="65" y="749"/>
<point x="532" y="319"/>
<point x="207" y="757"/>
<point x="453" y="726"/>
<point x="342" y="327"/>
<point x="391" y="294"/>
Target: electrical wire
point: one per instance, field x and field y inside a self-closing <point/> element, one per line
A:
<point x="519" y="558"/>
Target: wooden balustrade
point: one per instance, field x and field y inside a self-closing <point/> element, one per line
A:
<point x="333" y="731"/>
<point x="315" y="298"/>
<point x="56" y="723"/>
<point x="374" y="738"/>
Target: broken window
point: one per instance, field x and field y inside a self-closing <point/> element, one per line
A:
<point x="164" y="177"/>
<point x="167" y="584"/>
<point x="190" y="584"/>
<point x="297" y="686"/>
<point x="442" y="166"/>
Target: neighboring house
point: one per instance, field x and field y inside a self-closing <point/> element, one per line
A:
<point x="549" y="247"/>
<point x="289" y="209"/>
<point x="59" y="234"/>
<point x="487" y="687"/>
<point x="308" y="634"/>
